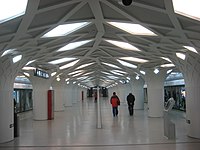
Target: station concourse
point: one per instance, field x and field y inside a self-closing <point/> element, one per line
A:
<point x="72" y="46"/>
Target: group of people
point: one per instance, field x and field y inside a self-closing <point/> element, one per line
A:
<point x="115" y="102"/>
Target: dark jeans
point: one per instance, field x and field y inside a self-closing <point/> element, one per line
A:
<point x="130" y="108"/>
<point x="115" y="111"/>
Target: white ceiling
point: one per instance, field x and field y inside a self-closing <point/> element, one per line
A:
<point x="24" y="33"/>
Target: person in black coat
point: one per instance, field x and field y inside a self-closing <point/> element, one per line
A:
<point x="130" y="100"/>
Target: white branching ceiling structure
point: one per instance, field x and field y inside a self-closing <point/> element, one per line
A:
<point x="97" y="44"/>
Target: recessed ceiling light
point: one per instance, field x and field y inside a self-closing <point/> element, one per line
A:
<point x="123" y="45"/>
<point x="156" y="71"/>
<point x="142" y="72"/>
<point x="134" y="59"/>
<point x="73" y="45"/>
<point x="58" y="61"/>
<point x="10" y="9"/>
<point x="188" y="8"/>
<point x="65" y="29"/>
<point x="131" y="28"/>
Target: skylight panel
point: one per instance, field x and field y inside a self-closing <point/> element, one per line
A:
<point x="192" y="49"/>
<point x="116" y="73"/>
<point x="127" y="64"/>
<point x="65" y="29"/>
<point x="167" y="65"/>
<point x="120" y="71"/>
<point x="30" y="62"/>
<point x="10" y="9"/>
<point x="73" y="45"/>
<point x="142" y="72"/>
<point x="134" y="59"/>
<point x="58" y="61"/>
<point x="111" y="65"/>
<point x="188" y="8"/>
<point x="85" y="65"/>
<point x="181" y="56"/>
<point x="17" y="58"/>
<point x="7" y="52"/>
<point x="123" y="45"/>
<point x="135" y="29"/>
<point x="75" y="72"/>
<point x="167" y="59"/>
<point x="69" y="64"/>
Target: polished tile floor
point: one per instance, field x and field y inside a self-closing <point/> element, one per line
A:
<point x="76" y="129"/>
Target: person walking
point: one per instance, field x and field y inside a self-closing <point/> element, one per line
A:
<point x="115" y="102"/>
<point x="130" y="100"/>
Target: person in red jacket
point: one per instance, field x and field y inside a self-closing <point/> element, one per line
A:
<point x="114" y="100"/>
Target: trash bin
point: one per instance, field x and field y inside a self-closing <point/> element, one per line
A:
<point x="16" y="125"/>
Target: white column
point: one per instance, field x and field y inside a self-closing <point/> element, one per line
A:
<point x="8" y="72"/>
<point x="155" y="92"/>
<point x="68" y="95"/>
<point x="59" y="94"/>
<point x="138" y="92"/>
<point x="40" y="88"/>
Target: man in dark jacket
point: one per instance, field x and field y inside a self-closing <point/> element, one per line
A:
<point x="130" y="100"/>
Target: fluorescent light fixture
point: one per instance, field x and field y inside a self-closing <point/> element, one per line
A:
<point x="123" y="45"/>
<point x="167" y="59"/>
<point x="73" y="45"/>
<point x="142" y="72"/>
<point x="137" y="77"/>
<point x="69" y="64"/>
<point x="7" y="52"/>
<point x="85" y="65"/>
<point x="134" y="59"/>
<point x="58" y="61"/>
<point x="65" y="29"/>
<point x="127" y="64"/>
<point x="30" y="62"/>
<point x="181" y="56"/>
<point x="128" y="78"/>
<point x="17" y="58"/>
<point x="82" y="78"/>
<point x="67" y="82"/>
<point x="10" y="9"/>
<point x="53" y="74"/>
<point x="74" y="82"/>
<point x="135" y="29"/>
<point x="28" y="68"/>
<point x="167" y="65"/>
<point x="156" y="71"/>
<point x="192" y="49"/>
<point x="188" y="8"/>
<point x="111" y="65"/>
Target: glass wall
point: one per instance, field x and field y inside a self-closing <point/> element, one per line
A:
<point x="23" y="98"/>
